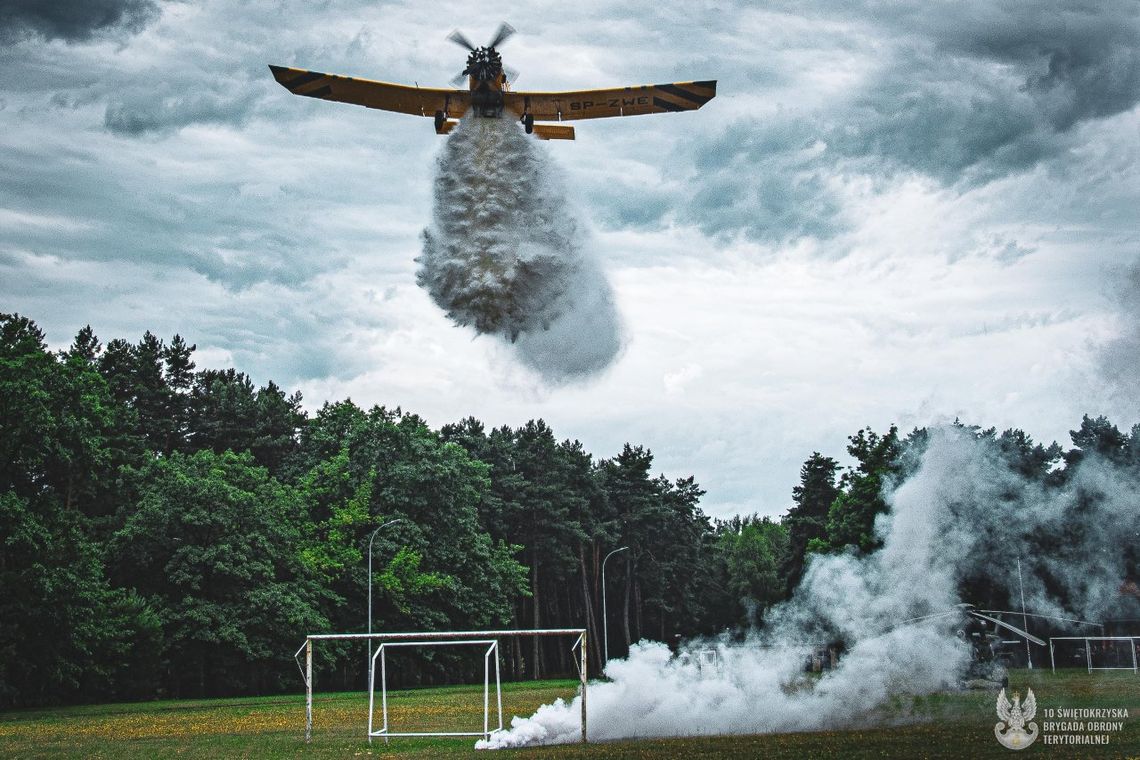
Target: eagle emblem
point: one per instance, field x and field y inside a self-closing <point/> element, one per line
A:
<point x="1010" y="730"/>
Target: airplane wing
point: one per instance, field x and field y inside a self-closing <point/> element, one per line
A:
<point x="619" y="101"/>
<point x="420" y="101"/>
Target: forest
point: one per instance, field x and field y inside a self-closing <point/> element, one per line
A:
<point x="170" y="531"/>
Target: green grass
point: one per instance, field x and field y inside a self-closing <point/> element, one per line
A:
<point x="951" y="725"/>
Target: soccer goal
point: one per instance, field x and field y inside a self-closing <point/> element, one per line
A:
<point x="705" y="661"/>
<point x="385" y="729"/>
<point x="386" y="642"/>
<point x="1095" y="652"/>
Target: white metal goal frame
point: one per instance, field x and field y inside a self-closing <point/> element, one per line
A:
<point x="385" y="730"/>
<point x="435" y="638"/>
<point x="1088" y="650"/>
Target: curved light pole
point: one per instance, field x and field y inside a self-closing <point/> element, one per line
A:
<point x="605" y="618"/>
<point x="385" y="525"/>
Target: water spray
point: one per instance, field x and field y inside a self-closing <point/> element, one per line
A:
<point x="505" y="254"/>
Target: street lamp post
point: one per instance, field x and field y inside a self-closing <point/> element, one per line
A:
<point x="605" y="618"/>
<point x="1024" y="619"/>
<point x="385" y="525"/>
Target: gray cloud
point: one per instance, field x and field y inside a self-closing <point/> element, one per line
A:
<point x="1078" y="60"/>
<point x="1001" y="249"/>
<point x="1067" y="62"/>
<point x="954" y="124"/>
<point x="769" y="182"/>
<point x="298" y="338"/>
<point x="121" y="212"/>
<point x="1120" y="357"/>
<point x="629" y="205"/>
<point x="149" y="112"/>
<point x="963" y="93"/>
<point x="72" y="20"/>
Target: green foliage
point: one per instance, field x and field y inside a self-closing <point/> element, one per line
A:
<point x="213" y="544"/>
<point x="406" y="584"/>
<point x="754" y="549"/>
<point x="336" y="507"/>
<point x="851" y="517"/>
<point x="63" y="629"/>
<point x="1099" y="437"/>
<point x="806" y="522"/>
<point x="165" y="529"/>
<point x="55" y="419"/>
<point x="54" y="416"/>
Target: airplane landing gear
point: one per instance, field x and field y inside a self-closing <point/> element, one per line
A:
<point x="440" y="118"/>
<point x="528" y="122"/>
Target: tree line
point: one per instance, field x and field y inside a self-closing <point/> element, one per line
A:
<point x="173" y="531"/>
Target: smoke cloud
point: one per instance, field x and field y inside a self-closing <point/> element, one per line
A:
<point x="504" y="254"/>
<point x="962" y="511"/>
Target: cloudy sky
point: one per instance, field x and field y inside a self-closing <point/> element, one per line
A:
<point x="892" y="212"/>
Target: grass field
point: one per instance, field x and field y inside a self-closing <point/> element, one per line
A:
<point x="952" y="725"/>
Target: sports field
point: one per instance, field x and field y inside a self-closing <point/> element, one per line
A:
<point x="950" y="725"/>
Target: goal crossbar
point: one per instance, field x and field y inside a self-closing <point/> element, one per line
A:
<point x="433" y="638"/>
<point x="1088" y="650"/>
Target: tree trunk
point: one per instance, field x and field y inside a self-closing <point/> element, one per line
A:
<point x="596" y="564"/>
<point x="637" y="609"/>
<point x="535" y="604"/>
<point x="591" y="623"/>
<point x="625" y="605"/>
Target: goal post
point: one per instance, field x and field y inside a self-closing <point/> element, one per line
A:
<point x="1114" y="656"/>
<point x="384" y="641"/>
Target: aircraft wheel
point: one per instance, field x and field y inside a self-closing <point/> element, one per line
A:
<point x="528" y="123"/>
<point x="439" y="120"/>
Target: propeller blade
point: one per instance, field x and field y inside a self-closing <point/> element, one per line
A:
<point x="458" y="79"/>
<point x="501" y="36"/>
<point x="458" y="38"/>
<point x="511" y="74"/>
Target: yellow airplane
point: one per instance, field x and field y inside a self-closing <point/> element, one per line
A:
<point x="489" y="93"/>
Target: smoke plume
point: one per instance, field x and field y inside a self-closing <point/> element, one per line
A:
<point x="963" y="510"/>
<point x="505" y="255"/>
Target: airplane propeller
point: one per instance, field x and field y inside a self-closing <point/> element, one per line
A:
<point x="501" y="36"/>
<point x="458" y="38"/>
<point x="504" y="33"/>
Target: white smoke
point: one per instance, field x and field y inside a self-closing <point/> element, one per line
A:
<point x="962" y="512"/>
<point x="505" y="255"/>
